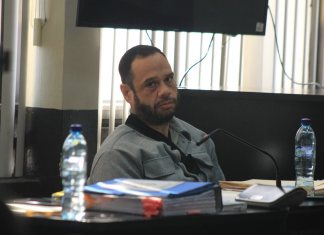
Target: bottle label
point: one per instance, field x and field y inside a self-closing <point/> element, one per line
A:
<point x="304" y="151"/>
<point x="74" y="159"/>
<point x="74" y="163"/>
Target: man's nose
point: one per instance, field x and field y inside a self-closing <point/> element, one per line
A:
<point x="164" y="89"/>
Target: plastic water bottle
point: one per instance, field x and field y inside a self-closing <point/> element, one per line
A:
<point x="305" y="156"/>
<point x="73" y="173"/>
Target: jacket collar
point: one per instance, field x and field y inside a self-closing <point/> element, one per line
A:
<point x="137" y="124"/>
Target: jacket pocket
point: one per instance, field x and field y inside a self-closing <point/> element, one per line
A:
<point x="205" y="164"/>
<point x="158" y="167"/>
<point x="203" y="159"/>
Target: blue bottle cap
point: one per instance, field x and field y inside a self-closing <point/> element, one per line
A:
<point x="76" y="127"/>
<point x="305" y="121"/>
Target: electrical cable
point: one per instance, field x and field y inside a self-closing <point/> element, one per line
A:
<point x="281" y="62"/>
<point x="201" y="59"/>
<point x="147" y="34"/>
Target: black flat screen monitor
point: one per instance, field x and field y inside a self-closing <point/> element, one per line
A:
<point x="214" y="16"/>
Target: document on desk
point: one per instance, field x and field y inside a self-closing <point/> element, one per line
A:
<point x="264" y="193"/>
<point x="242" y="185"/>
<point x="35" y="207"/>
<point x="154" y="188"/>
<point x="154" y="197"/>
<point x="229" y="202"/>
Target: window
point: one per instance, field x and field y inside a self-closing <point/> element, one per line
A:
<point x="280" y="61"/>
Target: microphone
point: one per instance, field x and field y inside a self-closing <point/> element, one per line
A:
<point x="264" y="195"/>
<point x="206" y="137"/>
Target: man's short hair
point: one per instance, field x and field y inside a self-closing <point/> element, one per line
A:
<point x="127" y="59"/>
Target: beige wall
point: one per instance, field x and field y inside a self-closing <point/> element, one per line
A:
<point x="63" y="72"/>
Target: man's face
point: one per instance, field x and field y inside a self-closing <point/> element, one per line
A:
<point x="154" y="97"/>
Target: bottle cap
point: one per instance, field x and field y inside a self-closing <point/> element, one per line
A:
<point x="305" y="121"/>
<point x="76" y="127"/>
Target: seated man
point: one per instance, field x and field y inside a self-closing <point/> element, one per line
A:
<point x="153" y="143"/>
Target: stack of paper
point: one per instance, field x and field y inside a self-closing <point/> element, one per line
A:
<point x="35" y="207"/>
<point x="242" y="185"/>
<point x="154" y="197"/>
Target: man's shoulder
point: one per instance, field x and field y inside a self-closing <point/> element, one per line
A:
<point x="182" y="126"/>
<point x="121" y="133"/>
<point x="122" y="136"/>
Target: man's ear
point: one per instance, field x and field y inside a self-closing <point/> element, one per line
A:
<point x="127" y="92"/>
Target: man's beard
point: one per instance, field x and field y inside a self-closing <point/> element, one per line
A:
<point x="151" y="115"/>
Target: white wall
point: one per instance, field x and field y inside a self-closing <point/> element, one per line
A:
<point x="63" y="72"/>
<point x="81" y="63"/>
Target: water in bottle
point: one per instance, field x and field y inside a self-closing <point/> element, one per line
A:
<point x="305" y="156"/>
<point x="73" y="173"/>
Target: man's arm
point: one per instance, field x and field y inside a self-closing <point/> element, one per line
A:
<point x="114" y="164"/>
<point x="212" y="152"/>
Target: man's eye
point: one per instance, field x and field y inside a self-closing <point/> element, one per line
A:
<point x="152" y="84"/>
<point x="170" y="80"/>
